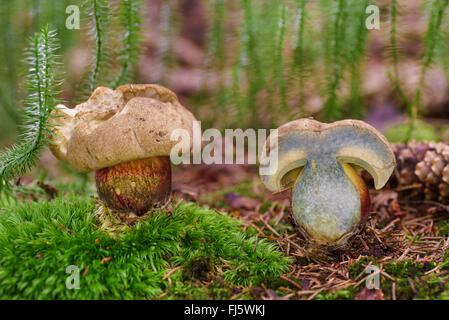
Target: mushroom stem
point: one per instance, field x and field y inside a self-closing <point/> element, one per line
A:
<point x="362" y="189"/>
<point x="135" y="186"/>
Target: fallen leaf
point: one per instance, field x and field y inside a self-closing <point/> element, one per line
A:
<point x="388" y="200"/>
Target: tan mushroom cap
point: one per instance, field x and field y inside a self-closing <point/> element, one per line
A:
<point x="348" y="141"/>
<point x="133" y="122"/>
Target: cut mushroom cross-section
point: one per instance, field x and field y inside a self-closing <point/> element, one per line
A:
<point x="319" y="161"/>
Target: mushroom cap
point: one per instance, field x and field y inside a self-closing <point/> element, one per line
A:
<point x="348" y="141"/>
<point x="133" y="122"/>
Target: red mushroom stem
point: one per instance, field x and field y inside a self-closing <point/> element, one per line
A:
<point x="362" y="189"/>
<point x="135" y="186"/>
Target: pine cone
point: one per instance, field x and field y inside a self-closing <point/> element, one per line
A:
<point x="426" y="163"/>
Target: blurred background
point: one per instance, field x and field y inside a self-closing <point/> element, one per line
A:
<point x="247" y="63"/>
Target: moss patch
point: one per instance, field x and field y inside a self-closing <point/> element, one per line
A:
<point x="411" y="281"/>
<point x="159" y="257"/>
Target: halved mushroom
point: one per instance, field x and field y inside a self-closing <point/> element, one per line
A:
<point x="124" y="135"/>
<point x="319" y="161"/>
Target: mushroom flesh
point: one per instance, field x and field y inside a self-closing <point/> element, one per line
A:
<point x="319" y="162"/>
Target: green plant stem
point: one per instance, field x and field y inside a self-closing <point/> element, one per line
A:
<point x="100" y="12"/>
<point x="331" y="107"/>
<point x="255" y="72"/>
<point x="299" y="52"/>
<point x="42" y="82"/>
<point x="431" y="39"/>
<point x="279" y="56"/>
<point x="356" y="56"/>
<point x="131" y="22"/>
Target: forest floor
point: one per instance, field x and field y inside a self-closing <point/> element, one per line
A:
<point x="406" y="240"/>
<point x="224" y="237"/>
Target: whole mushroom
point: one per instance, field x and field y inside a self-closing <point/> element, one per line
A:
<point x="124" y="136"/>
<point x="319" y="161"/>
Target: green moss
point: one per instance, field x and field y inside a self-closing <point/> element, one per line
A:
<point x="407" y="268"/>
<point x="433" y="287"/>
<point x="345" y="294"/>
<point x="425" y="286"/>
<point x="194" y="290"/>
<point x="39" y="240"/>
<point x="444" y="295"/>
<point x="403" y="289"/>
<point x="443" y="228"/>
<point x="422" y="131"/>
<point x="359" y="266"/>
<point x="264" y="207"/>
